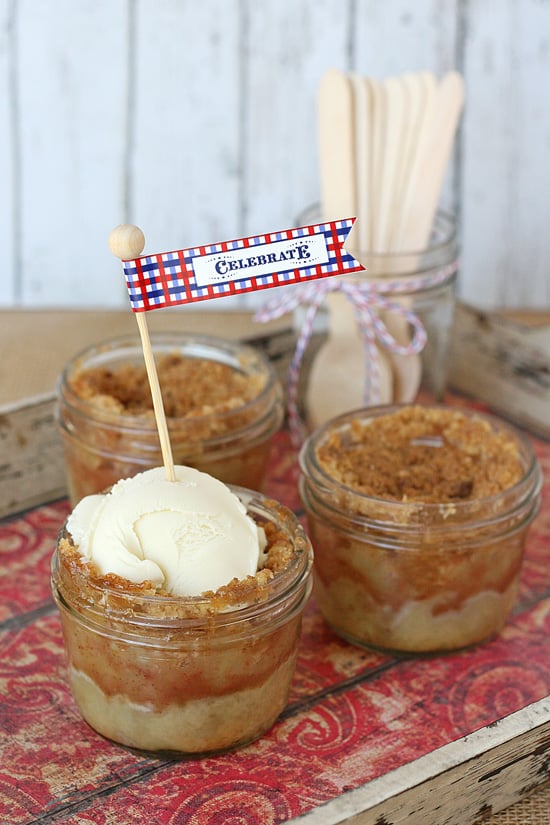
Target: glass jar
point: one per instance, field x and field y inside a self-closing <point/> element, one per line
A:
<point x="102" y="445"/>
<point x="412" y="577"/>
<point x="162" y="673"/>
<point x="427" y="285"/>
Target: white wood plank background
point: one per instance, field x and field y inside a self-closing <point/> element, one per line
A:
<point x="198" y="122"/>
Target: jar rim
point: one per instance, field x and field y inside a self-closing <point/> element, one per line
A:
<point x="169" y="340"/>
<point x="444" y="233"/>
<point x="227" y="443"/>
<point x="292" y="583"/>
<point x="529" y="484"/>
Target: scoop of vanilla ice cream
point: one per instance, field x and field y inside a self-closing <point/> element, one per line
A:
<point x="187" y="536"/>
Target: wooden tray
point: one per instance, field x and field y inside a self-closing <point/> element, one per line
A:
<point x="365" y="738"/>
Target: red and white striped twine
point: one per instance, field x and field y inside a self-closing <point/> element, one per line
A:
<point x="367" y="299"/>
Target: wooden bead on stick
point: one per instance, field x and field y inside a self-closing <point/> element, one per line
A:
<point x="126" y="241"/>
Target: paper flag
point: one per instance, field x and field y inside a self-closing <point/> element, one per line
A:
<point x="201" y="273"/>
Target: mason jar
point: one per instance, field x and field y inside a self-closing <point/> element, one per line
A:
<point x="413" y="576"/>
<point x="231" y="440"/>
<point x="421" y="281"/>
<point x="185" y="674"/>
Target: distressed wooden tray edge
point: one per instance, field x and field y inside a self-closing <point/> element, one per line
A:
<point x="503" y="363"/>
<point x="465" y="781"/>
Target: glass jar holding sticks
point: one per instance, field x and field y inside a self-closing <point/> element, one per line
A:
<point x="378" y="336"/>
<point x="384" y="146"/>
<point x="423" y="282"/>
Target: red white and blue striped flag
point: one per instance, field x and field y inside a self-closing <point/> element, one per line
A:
<point x="200" y="273"/>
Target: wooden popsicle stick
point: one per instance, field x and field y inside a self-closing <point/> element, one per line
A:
<point x="435" y="157"/>
<point x="431" y="161"/>
<point x="420" y="94"/>
<point x="390" y="109"/>
<point x="407" y="369"/>
<point x="336" y="145"/>
<point x="394" y="107"/>
<point x="441" y="114"/>
<point x="413" y="102"/>
<point x="404" y="238"/>
<point x="363" y="140"/>
<point x="127" y="242"/>
<point x="377" y="157"/>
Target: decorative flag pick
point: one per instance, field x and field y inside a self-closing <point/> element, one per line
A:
<point x="201" y="273"/>
<point x="127" y="241"/>
<point x="235" y="267"/>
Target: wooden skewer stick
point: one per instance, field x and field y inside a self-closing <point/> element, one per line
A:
<point x="127" y="242"/>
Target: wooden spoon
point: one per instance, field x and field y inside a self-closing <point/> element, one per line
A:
<point x="337" y="377"/>
<point x="342" y="114"/>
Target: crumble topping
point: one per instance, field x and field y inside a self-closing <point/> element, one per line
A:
<point x="422" y="455"/>
<point x="190" y="387"/>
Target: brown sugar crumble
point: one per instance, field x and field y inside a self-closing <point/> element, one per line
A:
<point x="190" y="387"/>
<point x="422" y="455"/>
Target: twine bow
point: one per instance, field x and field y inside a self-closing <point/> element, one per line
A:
<point x="367" y="299"/>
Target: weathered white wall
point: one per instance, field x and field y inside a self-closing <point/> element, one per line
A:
<point x="196" y="120"/>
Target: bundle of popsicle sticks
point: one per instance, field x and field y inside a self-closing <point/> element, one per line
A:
<point x="384" y="147"/>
